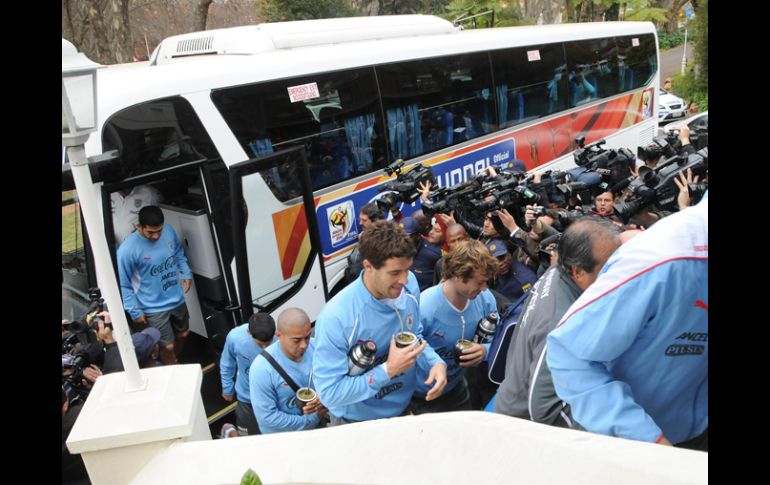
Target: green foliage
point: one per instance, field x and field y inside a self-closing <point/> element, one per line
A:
<point x="650" y="14"/>
<point x="667" y="41"/>
<point x="701" y="42"/>
<point x="287" y="10"/>
<point x="688" y="88"/>
<point x="250" y="478"/>
<point x="501" y="14"/>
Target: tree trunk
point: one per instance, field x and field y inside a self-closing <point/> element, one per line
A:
<point x="201" y="14"/>
<point x="612" y="13"/>
<point x="99" y="29"/>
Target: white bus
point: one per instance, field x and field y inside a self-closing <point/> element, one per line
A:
<point x="266" y="140"/>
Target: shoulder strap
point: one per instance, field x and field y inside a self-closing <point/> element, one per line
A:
<point x="280" y="370"/>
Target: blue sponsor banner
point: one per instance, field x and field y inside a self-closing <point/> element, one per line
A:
<point x="450" y="172"/>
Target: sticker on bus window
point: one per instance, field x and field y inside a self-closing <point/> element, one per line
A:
<point x="342" y="222"/>
<point x="303" y="91"/>
<point x="635" y="41"/>
<point x="533" y="55"/>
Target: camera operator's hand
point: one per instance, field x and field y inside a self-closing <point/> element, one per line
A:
<point x="684" y="134"/>
<point x="507" y="219"/>
<point x="537" y="177"/>
<point x="186" y="285"/>
<point x="529" y="216"/>
<point x="104" y="331"/>
<point x="90" y="374"/>
<point x="491" y="171"/>
<point x="682" y="181"/>
<point x="447" y="219"/>
<point x="424" y="191"/>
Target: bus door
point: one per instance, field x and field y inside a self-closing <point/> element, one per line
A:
<point x="277" y="248"/>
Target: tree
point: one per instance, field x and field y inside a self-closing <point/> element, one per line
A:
<point x="99" y="29"/>
<point x="286" y="10"/>
<point x="201" y="14"/>
<point x="489" y="13"/>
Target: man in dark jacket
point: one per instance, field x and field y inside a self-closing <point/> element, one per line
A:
<point x="527" y="390"/>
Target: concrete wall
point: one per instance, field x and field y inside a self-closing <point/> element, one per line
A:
<point x="450" y="448"/>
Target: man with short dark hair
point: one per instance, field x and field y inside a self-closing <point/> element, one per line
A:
<point x="451" y="311"/>
<point x="375" y="307"/>
<point x="527" y="390"/>
<point x="428" y="253"/>
<point x="272" y="396"/>
<point x="369" y="214"/>
<point x="154" y="276"/>
<point x="243" y="344"/>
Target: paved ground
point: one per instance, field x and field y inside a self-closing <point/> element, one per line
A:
<point x="671" y="60"/>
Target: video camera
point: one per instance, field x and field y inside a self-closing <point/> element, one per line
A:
<point x="482" y="194"/>
<point x="84" y="330"/>
<point x="657" y="187"/>
<point x="72" y="366"/>
<point x="667" y="146"/>
<point x="406" y="186"/>
<point x="613" y="165"/>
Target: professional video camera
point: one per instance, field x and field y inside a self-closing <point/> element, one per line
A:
<point x="483" y="194"/>
<point x="613" y="165"/>
<point x="660" y="146"/>
<point x="503" y="192"/>
<point x="657" y="187"/>
<point x="84" y="330"/>
<point x="406" y="186"/>
<point x="72" y="366"/>
<point x="447" y="199"/>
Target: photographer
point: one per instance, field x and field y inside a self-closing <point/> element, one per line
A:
<point x="676" y="142"/>
<point x="145" y="346"/>
<point x="428" y="253"/>
<point x="540" y="222"/>
<point x="367" y="215"/>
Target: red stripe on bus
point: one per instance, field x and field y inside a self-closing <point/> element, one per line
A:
<point x="297" y="237"/>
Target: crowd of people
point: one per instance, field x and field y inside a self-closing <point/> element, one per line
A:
<point x="611" y="337"/>
<point x="418" y="288"/>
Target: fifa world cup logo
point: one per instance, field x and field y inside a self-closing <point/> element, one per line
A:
<point x="339" y="219"/>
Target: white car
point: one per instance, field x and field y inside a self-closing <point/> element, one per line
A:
<point x="670" y="107"/>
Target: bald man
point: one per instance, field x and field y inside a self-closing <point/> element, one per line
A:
<point x="272" y="397"/>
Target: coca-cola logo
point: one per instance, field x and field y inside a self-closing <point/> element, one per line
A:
<point x="167" y="265"/>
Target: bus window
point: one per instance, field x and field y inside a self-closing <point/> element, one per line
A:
<point x="334" y="115"/>
<point x="153" y="136"/>
<point x="592" y="75"/>
<point x="530" y="82"/>
<point x="434" y="103"/>
<point x="636" y="60"/>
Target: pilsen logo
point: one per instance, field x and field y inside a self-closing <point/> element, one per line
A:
<point x="678" y="350"/>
